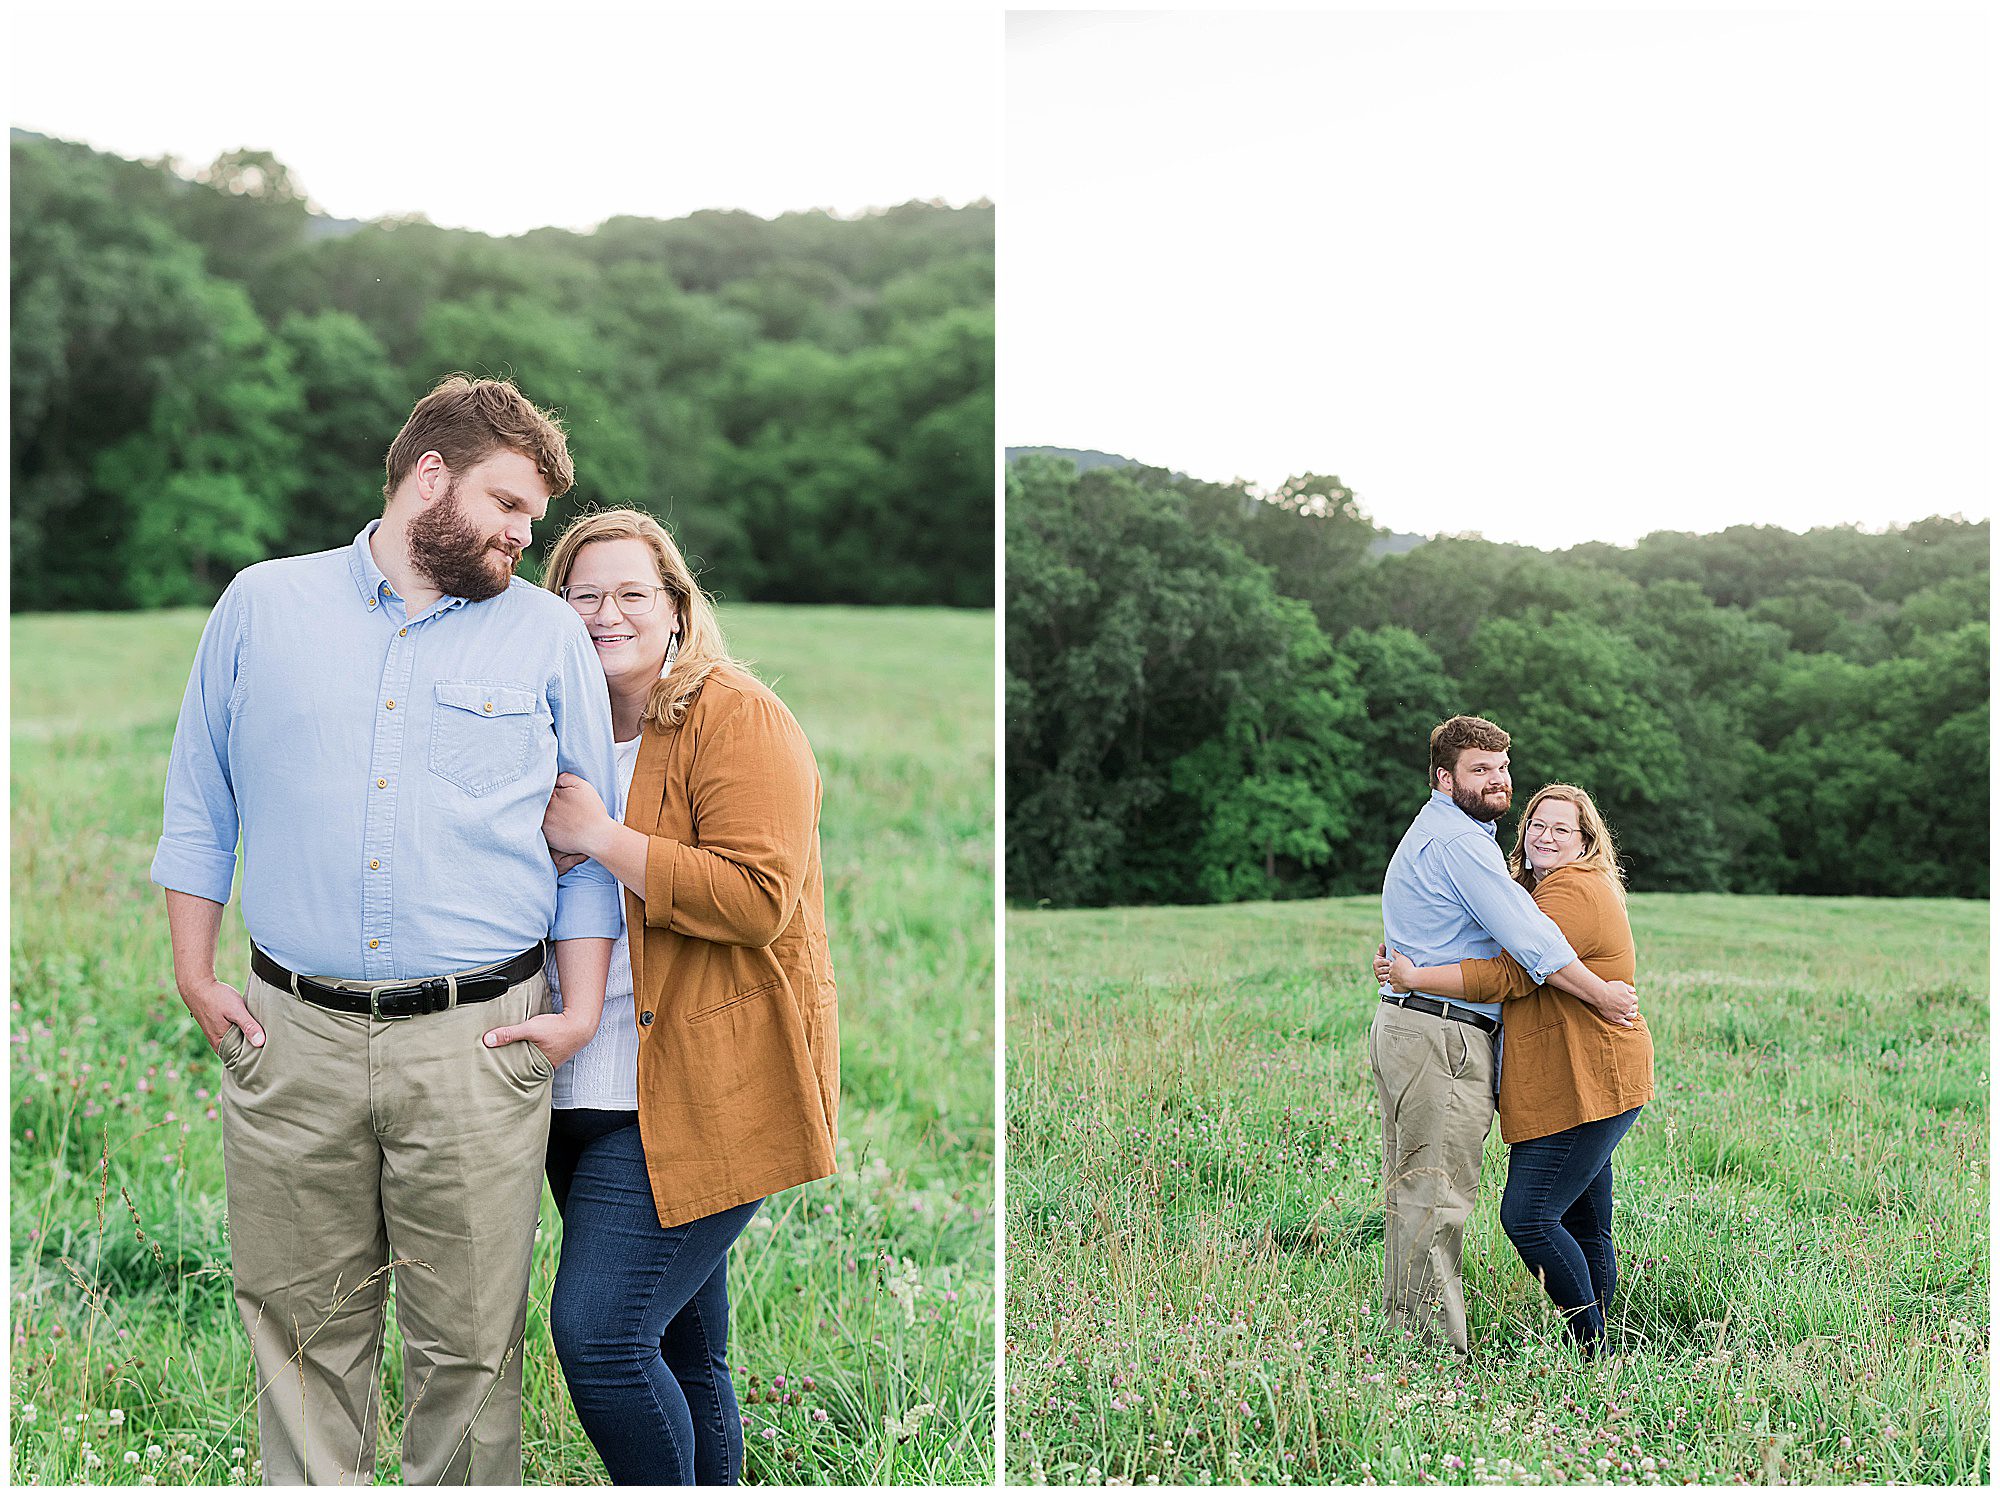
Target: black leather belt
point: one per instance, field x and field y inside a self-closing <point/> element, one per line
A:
<point x="410" y="999"/>
<point x="1436" y="1009"/>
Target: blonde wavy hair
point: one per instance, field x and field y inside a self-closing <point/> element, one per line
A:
<point x="701" y="649"/>
<point x="1600" y="853"/>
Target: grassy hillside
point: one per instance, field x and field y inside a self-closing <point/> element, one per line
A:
<point x="1194" y="1233"/>
<point x="871" y="1294"/>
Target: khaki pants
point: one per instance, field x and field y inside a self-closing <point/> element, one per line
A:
<point x="1434" y="1077"/>
<point x="349" y="1143"/>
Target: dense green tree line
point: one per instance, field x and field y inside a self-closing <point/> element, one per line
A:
<point x="206" y="373"/>
<point x="1218" y="695"/>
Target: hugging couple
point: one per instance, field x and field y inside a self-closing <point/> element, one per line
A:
<point x="1540" y="939"/>
<point x="439" y="772"/>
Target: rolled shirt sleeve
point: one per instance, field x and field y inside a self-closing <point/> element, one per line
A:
<point x="197" y="847"/>
<point x="1504" y="909"/>
<point x="589" y="900"/>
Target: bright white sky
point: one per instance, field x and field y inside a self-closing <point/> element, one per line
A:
<point x="504" y="123"/>
<point x="1550" y="277"/>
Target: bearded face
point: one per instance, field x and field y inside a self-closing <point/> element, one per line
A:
<point x="451" y="554"/>
<point x="1481" y="786"/>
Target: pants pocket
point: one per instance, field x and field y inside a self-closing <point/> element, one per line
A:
<point x="523" y="1059"/>
<point x="1457" y="1048"/>
<point x="237" y="1050"/>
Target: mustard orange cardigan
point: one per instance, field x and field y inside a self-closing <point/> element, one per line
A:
<point x="1562" y="1065"/>
<point x="739" y="1041"/>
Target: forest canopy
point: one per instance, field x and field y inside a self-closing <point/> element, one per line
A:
<point x="207" y="373"/>
<point x="1215" y="694"/>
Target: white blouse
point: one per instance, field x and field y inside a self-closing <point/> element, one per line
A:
<point x="604" y="1074"/>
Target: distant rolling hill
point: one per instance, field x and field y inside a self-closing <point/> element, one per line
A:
<point x="1388" y="543"/>
<point x="1085" y="460"/>
<point x="318" y="225"/>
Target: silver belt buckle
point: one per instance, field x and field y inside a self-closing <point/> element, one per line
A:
<point x="375" y="999"/>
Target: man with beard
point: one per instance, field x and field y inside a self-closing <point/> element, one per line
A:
<point x="1448" y="895"/>
<point x="383" y="724"/>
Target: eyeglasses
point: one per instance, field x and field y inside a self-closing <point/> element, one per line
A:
<point x="633" y="600"/>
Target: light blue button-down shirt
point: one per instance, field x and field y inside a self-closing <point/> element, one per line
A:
<point x="388" y="773"/>
<point x="1447" y="897"/>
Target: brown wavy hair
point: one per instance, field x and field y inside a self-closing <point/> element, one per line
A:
<point x="466" y="420"/>
<point x="1454" y="735"/>
<point x="701" y="648"/>
<point x="1600" y="853"/>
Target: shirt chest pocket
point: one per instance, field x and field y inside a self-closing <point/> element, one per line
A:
<point x="482" y="733"/>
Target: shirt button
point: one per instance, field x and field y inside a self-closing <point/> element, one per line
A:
<point x="645" y="1020"/>
<point x="373" y="944"/>
<point x="392" y="706"/>
<point x="488" y="706"/>
<point x="381" y="784"/>
<point x="371" y="602"/>
<point x="401" y="632"/>
<point x="374" y="863"/>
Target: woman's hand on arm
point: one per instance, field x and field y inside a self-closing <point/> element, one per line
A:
<point x="576" y="819"/>
<point x="576" y="825"/>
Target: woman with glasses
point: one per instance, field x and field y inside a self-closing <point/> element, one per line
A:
<point x="713" y="1079"/>
<point x="1571" y="1084"/>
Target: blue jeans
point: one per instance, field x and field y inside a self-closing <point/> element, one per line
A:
<point x="640" y="1315"/>
<point x="1557" y="1213"/>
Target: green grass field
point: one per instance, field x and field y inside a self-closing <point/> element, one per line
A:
<point x="863" y="1305"/>
<point x="1194" y="1217"/>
